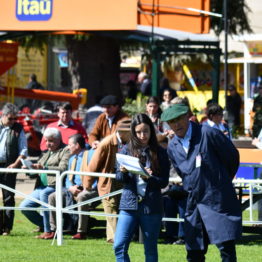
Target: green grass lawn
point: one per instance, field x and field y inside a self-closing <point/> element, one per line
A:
<point x="22" y="246"/>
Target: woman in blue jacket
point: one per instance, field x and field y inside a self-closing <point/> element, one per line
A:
<point x="141" y="201"/>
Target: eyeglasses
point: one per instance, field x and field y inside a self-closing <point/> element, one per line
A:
<point x="12" y="118"/>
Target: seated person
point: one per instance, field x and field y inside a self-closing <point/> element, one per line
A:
<point x="74" y="189"/>
<point x="215" y="119"/>
<point x="56" y="158"/>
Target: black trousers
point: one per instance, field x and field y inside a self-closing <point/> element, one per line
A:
<point x="227" y="251"/>
<point x="7" y="216"/>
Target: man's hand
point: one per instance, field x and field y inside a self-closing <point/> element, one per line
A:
<point x="95" y="144"/>
<point x="74" y="190"/>
<point x="255" y="141"/>
<point x="170" y="133"/>
<point x="37" y="166"/>
<point x="13" y="165"/>
<point x="17" y="163"/>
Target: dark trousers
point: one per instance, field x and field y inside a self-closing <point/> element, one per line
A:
<point x="7" y="216"/>
<point x="172" y="207"/>
<point x="227" y="251"/>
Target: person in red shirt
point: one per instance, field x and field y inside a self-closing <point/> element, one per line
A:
<point x="66" y="125"/>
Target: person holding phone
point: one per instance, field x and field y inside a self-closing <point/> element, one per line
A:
<point x="141" y="201"/>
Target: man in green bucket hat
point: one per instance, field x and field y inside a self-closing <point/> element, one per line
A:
<point x="207" y="161"/>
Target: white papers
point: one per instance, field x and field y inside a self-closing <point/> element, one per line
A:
<point x="27" y="163"/>
<point x="132" y="164"/>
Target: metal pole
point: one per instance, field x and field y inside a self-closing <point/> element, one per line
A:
<point x="226" y="53"/>
<point x="154" y="57"/>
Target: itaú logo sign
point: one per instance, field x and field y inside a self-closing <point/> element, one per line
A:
<point x="34" y="10"/>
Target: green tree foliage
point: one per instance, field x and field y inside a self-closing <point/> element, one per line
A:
<point x="238" y="22"/>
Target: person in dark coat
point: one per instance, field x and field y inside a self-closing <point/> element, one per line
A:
<point x="257" y="109"/>
<point x="13" y="148"/>
<point x="234" y="103"/>
<point x="33" y="104"/>
<point x="145" y="83"/>
<point x="141" y="202"/>
<point x="215" y="119"/>
<point x="207" y="161"/>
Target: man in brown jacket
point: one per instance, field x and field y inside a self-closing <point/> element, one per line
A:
<point x="104" y="161"/>
<point x="106" y="123"/>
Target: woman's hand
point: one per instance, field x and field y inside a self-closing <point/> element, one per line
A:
<point x="123" y="170"/>
<point x="149" y="171"/>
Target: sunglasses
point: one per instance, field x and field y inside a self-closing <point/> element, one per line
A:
<point x="12" y="118"/>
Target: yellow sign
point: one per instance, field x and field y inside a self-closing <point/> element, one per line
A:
<point x="18" y="75"/>
<point x="255" y="48"/>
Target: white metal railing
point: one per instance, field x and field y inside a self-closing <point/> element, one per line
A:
<point x="69" y="209"/>
<point x="35" y="171"/>
<point x="250" y="184"/>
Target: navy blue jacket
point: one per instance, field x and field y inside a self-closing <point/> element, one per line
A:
<point x="207" y="172"/>
<point x="153" y="199"/>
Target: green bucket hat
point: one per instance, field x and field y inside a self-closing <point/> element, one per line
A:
<point x="174" y="111"/>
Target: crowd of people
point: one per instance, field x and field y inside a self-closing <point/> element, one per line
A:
<point x="168" y="141"/>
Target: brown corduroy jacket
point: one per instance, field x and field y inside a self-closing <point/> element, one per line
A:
<point x="103" y="161"/>
<point x="101" y="128"/>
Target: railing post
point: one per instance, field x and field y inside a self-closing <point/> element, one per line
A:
<point x="251" y="202"/>
<point x="59" y="205"/>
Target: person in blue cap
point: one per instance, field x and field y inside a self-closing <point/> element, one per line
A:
<point x="207" y="161"/>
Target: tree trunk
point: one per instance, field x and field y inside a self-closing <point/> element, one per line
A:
<point x="94" y="64"/>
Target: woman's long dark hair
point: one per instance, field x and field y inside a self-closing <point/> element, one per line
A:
<point x="135" y="145"/>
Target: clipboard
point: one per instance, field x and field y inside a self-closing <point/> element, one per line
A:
<point x="132" y="164"/>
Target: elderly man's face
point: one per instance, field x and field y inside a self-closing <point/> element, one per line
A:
<point x="179" y="125"/>
<point x="52" y="143"/>
<point x="8" y="120"/>
<point x="110" y="110"/>
<point x="64" y="115"/>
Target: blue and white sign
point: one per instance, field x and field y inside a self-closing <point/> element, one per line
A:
<point x="34" y="10"/>
<point x="62" y="58"/>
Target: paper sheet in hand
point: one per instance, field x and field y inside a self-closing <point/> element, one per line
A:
<point x="132" y="164"/>
<point x="27" y="163"/>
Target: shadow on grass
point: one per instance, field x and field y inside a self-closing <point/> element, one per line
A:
<point x="250" y="239"/>
<point x="98" y="230"/>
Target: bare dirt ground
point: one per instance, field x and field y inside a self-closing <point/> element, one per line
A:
<point x="24" y="184"/>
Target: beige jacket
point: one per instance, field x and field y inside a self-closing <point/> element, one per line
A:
<point x="57" y="161"/>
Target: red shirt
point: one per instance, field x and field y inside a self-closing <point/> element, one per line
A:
<point x="66" y="132"/>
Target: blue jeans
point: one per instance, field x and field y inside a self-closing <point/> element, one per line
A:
<point x="41" y="193"/>
<point x="126" y="225"/>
